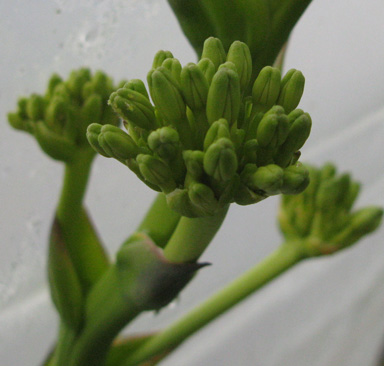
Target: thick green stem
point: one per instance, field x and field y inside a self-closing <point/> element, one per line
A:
<point x="160" y="221"/>
<point x="107" y="312"/>
<point x="275" y="264"/>
<point x="192" y="236"/>
<point x="86" y="251"/>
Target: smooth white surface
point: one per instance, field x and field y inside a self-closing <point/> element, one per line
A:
<point x="324" y="312"/>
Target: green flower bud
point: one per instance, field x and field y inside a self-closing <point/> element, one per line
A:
<point x="328" y="171"/>
<point x="166" y="95"/>
<point x="93" y="132"/>
<point x="91" y="111"/>
<point x="194" y="162"/>
<point x="217" y="130"/>
<point x="250" y="151"/>
<point x="76" y="81"/>
<point x="156" y="172"/>
<point x="17" y="122"/>
<point x="269" y="179"/>
<point x="213" y="49"/>
<point x="160" y="57"/>
<point x="361" y="223"/>
<point x="273" y="129"/>
<point x="220" y="161"/>
<point x="243" y="195"/>
<point x="135" y="107"/>
<point x="292" y="88"/>
<point x="194" y="86"/>
<point x="299" y="131"/>
<point x="266" y="88"/>
<point x="138" y="86"/>
<point x="174" y="66"/>
<point x="35" y="107"/>
<point x="164" y="142"/>
<point x="228" y="65"/>
<point x="53" y="144"/>
<point x="208" y="69"/>
<point x="53" y="82"/>
<point x="224" y="97"/>
<point x="351" y="195"/>
<point x="240" y="55"/>
<point x="102" y="84"/>
<point x="116" y="143"/>
<point x="57" y="113"/>
<point x="295" y="179"/>
<point x="179" y="201"/>
<point x="203" y="197"/>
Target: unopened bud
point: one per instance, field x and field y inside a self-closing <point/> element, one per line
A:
<point x="220" y="161"/>
<point x="240" y="55"/>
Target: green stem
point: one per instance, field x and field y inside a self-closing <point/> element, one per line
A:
<point x="107" y="312"/>
<point x="160" y="221"/>
<point x="86" y="251"/>
<point x="286" y="256"/>
<point x="192" y="236"/>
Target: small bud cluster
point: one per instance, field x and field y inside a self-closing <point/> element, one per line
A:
<point x="59" y="119"/>
<point x="323" y="216"/>
<point x="204" y="142"/>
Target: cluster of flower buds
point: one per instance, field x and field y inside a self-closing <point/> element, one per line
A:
<point x="59" y="119"/>
<point x="204" y="142"/>
<point x="322" y="215"/>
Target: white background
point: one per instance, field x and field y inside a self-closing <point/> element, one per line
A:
<point x="325" y="312"/>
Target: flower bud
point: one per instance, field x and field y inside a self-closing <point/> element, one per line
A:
<point x="35" y="107"/>
<point x="138" y="86"/>
<point x="299" y="131"/>
<point x="116" y="143"/>
<point x="273" y="129"/>
<point x="224" y="97"/>
<point x="156" y="172"/>
<point x="57" y="113"/>
<point x="203" y="197"/>
<point x="174" y="66"/>
<point x="361" y="223"/>
<point x="164" y="142"/>
<point x="208" y="69"/>
<point x="102" y="84"/>
<point x="17" y="122"/>
<point x="91" y="111"/>
<point x="292" y="88"/>
<point x="228" y="65"/>
<point x="220" y="161"/>
<point x="160" y="57"/>
<point x="56" y="146"/>
<point x="217" y="130"/>
<point x="53" y="82"/>
<point x="295" y="179"/>
<point x="194" y="162"/>
<point x="76" y="81"/>
<point x="269" y="179"/>
<point x="93" y="132"/>
<point x="240" y="55"/>
<point x="135" y="107"/>
<point x="213" y="49"/>
<point x="194" y="86"/>
<point x="250" y="152"/>
<point x="166" y="95"/>
<point x="266" y="88"/>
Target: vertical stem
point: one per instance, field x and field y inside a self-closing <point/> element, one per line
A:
<point x="160" y="221"/>
<point x="86" y="251"/>
<point x="275" y="264"/>
<point x="192" y="236"/>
